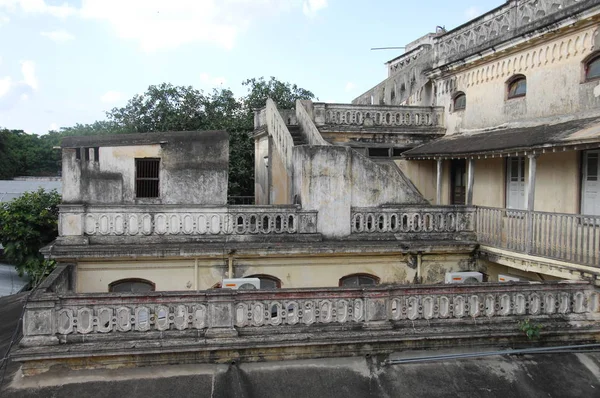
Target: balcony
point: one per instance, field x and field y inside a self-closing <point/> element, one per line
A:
<point x="419" y="117"/>
<point x="571" y="238"/>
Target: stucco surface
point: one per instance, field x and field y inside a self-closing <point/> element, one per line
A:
<point x="193" y="168"/>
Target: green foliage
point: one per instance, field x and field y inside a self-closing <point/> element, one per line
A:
<point x="23" y="154"/>
<point x="284" y="94"/>
<point x="532" y="331"/>
<point x="28" y="223"/>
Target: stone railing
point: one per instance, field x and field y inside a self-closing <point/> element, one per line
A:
<point x="512" y="19"/>
<point x="260" y="118"/>
<point x="183" y="221"/>
<point x="568" y="237"/>
<point x="309" y="130"/>
<point x="281" y="137"/>
<point x="378" y="115"/>
<point x="430" y="220"/>
<point x="223" y="313"/>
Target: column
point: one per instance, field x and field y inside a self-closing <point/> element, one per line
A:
<point x="531" y="181"/>
<point x="530" y="201"/>
<point x="470" y="180"/>
<point x="438" y="198"/>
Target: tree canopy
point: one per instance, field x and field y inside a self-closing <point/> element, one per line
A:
<point x="28" y="223"/>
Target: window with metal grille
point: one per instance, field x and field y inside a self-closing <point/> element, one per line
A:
<point x="146" y="178"/>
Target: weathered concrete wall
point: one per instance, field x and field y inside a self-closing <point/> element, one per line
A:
<point x="261" y="170"/>
<point x="332" y="179"/>
<point x="280" y="180"/>
<point x="193" y="169"/>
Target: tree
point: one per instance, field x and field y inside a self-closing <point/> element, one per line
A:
<point x="28" y="223"/>
<point x="284" y="94"/>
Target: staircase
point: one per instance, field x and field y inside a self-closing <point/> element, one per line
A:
<point x="296" y="135"/>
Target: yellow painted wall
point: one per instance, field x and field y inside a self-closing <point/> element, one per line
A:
<point x="557" y="187"/>
<point x="492" y="270"/>
<point x="489" y="181"/>
<point x="423" y="174"/>
<point x="293" y="271"/>
<point x="168" y="275"/>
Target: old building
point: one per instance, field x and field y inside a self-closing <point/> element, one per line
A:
<point x="479" y="152"/>
<point x="520" y="92"/>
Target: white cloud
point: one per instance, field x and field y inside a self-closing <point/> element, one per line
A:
<point x="311" y="7"/>
<point x="53" y="127"/>
<point x="12" y="91"/>
<point x="160" y="24"/>
<point x="4" y="19"/>
<point x="5" y="84"/>
<point x="472" y="12"/>
<point x="111" y="97"/>
<point x="209" y="80"/>
<point x="350" y="87"/>
<point x="28" y="71"/>
<point x="60" y="35"/>
<point x="39" y="7"/>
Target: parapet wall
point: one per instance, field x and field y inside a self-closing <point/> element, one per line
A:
<point x="333" y="179"/>
<point x="110" y="330"/>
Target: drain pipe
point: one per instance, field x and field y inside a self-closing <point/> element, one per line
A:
<point x="419" y="270"/>
<point x="196" y="273"/>
<point x="230" y="265"/>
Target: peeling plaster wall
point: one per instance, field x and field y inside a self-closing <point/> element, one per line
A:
<point x="193" y="170"/>
<point x="555" y="83"/>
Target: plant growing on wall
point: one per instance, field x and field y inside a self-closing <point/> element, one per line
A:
<point x="532" y="331"/>
<point x="28" y="223"/>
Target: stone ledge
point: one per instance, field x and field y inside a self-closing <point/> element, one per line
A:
<point x="135" y="354"/>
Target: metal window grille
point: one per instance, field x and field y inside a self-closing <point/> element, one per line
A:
<point x="146" y="178"/>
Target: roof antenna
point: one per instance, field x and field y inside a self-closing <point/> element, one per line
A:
<point x="387" y="48"/>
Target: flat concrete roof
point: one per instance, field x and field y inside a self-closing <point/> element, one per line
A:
<point x="151" y="138"/>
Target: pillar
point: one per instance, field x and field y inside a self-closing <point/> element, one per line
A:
<point x="470" y="180"/>
<point x="438" y="191"/>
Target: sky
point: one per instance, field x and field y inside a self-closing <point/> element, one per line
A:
<point x="64" y="62"/>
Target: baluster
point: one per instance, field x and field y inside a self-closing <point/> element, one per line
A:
<point x="570" y="238"/>
<point x="596" y="248"/>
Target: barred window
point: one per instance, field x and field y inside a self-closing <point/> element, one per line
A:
<point x="146" y="178"/>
